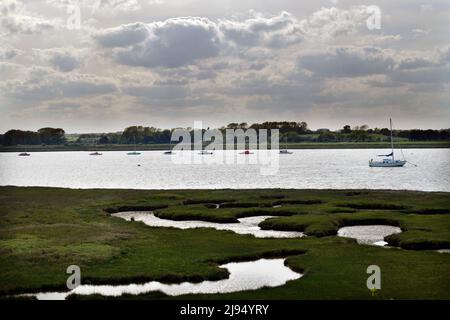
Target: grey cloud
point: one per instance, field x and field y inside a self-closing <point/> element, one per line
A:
<point x="9" y="53"/>
<point x="430" y="75"/>
<point x="184" y="41"/>
<point x="64" y="61"/>
<point x="43" y="84"/>
<point x="157" y="92"/>
<point x="348" y="62"/>
<point x="61" y="59"/>
<point x="173" y="43"/>
<point x="414" y="63"/>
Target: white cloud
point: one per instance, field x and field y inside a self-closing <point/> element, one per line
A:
<point x="328" y="23"/>
<point x="182" y="41"/>
<point x="94" y="5"/>
<point x="273" y="31"/>
<point x="15" y="18"/>
<point x="123" y="36"/>
<point x="171" y="43"/>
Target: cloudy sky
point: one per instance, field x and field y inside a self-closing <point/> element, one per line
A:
<point x="167" y="63"/>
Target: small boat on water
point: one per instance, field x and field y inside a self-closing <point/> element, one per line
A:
<point x="285" y="150"/>
<point x="389" y="161"/>
<point x="134" y="153"/>
<point x="170" y="152"/>
<point x="247" y="152"/>
<point x="205" y="152"/>
<point x="96" y="153"/>
<point x="24" y="154"/>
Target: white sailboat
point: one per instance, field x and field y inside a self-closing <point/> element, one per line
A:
<point x="170" y="152"/>
<point x="24" y="154"/>
<point x="285" y="150"/>
<point x="134" y="153"/>
<point x="205" y="152"/>
<point x="389" y="161"/>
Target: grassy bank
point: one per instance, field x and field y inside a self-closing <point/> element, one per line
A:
<point x="44" y="230"/>
<point x="161" y="147"/>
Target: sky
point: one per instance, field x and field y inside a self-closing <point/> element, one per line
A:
<point x="103" y="65"/>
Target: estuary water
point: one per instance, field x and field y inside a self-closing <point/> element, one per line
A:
<point x="372" y="234"/>
<point x="304" y="169"/>
<point x="247" y="225"/>
<point x="244" y="276"/>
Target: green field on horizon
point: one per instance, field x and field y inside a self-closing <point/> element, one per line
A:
<point x="160" y="147"/>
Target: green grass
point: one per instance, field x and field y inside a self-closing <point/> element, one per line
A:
<point x="44" y="230"/>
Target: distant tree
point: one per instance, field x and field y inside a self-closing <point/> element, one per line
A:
<point x="346" y="129"/>
<point x="233" y="125"/>
<point x="103" y="139"/>
<point x="327" y="136"/>
<point x="15" y="137"/>
<point x="303" y="126"/>
<point x="364" y="127"/>
<point x="52" y="135"/>
<point x="385" y="132"/>
<point x="359" y="136"/>
<point x="283" y="126"/>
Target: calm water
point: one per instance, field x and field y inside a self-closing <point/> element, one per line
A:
<point x="243" y="276"/>
<point x="335" y="169"/>
<point x="373" y="235"/>
<point x="245" y="226"/>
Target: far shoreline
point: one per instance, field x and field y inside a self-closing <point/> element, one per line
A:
<point x="293" y="146"/>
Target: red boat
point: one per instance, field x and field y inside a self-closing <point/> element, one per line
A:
<point x="247" y="152"/>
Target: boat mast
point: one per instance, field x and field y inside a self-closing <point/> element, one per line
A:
<point x="392" y="139"/>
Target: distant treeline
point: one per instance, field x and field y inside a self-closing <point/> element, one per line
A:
<point x="289" y="131"/>
<point x="42" y="136"/>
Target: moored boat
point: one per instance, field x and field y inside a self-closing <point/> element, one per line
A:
<point x="389" y="161"/>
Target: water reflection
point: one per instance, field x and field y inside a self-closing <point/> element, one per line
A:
<point x="304" y="169"/>
<point x="245" y="226"/>
<point x="372" y="235"/>
<point x="243" y="276"/>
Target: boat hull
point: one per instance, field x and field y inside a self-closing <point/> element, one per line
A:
<point x="395" y="164"/>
